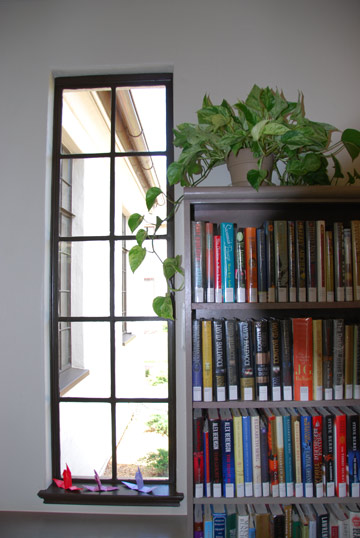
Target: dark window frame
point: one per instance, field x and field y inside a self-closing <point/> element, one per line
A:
<point x="166" y="493"/>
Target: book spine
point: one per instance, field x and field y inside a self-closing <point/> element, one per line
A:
<point x="329" y="262"/>
<point x="302" y="358"/>
<point x="307" y="455"/>
<point x="310" y="253"/>
<point x="338" y="358"/>
<point x="262" y="359"/>
<point x="328" y="455"/>
<point x="238" y="456"/>
<point x="275" y="359"/>
<point x="286" y="359"/>
<point x="300" y="260"/>
<point x="288" y="520"/>
<point x="243" y="526"/>
<point x="327" y="359"/>
<point x="339" y="261"/>
<point x="209" y="262"/>
<point x="228" y="461"/>
<point x="219" y="525"/>
<point x="198" y="522"/>
<point x="356" y="382"/>
<point x="270" y="260"/>
<point x="280" y="453"/>
<point x="215" y="457"/>
<point x="207" y="360"/>
<point x="355" y="243"/>
<point x="296" y="443"/>
<point x="317" y="429"/>
<point x="281" y="260"/>
<point x="198" y="456"/>
<point x="198" y="260"/>
<point x="288" y="456"/>
<point x="247" y="451"/>
<point x="217" y="269"/>
<point x="261" y="265"/>
<point x="219" y="366"/>
<point x="240" y="266"/>
<point x="207" y="465"/>
<point x="317" y="360"/>
<point x="348" y="271"/>
<point x="353" y="453"/>
<point x="340" y="454"/>
<point x="246" y="361"/>
<point x="349" y="360"/>
<point x="231" y="359"/>
<point x="292" y="261"/>
<point x="228" y="261"/>
<point x="322" y="525"/>
<point x="320" y="261"/>
<point x="197" y="379"/>
<point x="265" y="476"/>
<point x="256" y="455"/>
<point x="273" y="457"/>
<point x="251" y="265"/>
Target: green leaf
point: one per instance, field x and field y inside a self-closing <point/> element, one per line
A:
<point x="256" y="177"/>
<point x="257" y="130"/>
<point x="312" y="162"/>
<point x="351" y="141"/>
<point x="163" y="307"/>
<point x="136" y="257"/>
<point x="253" y="99"/>
<point x="159" y="222"/>
<point x="267" y="98"/>
<point x="175" y="173"/>
<point x="134" y="221"/>
<point x="171" y="266"/>
<point x="151" y="195"/>
<point x="274" y="128"/>
<point x="337" y="166"/>
<point x="141" y="236"/>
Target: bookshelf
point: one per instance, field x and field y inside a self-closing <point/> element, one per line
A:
<point x="246" y="207"/>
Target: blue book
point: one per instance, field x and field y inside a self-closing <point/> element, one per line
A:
<point x="353" y="448"/>
<point x="227" y="234"/>
<point x="288" y="453"/>
<point x="219" y="520"/>
<point x="306" y="452"/>
<point x="208" y="522"/>
<point x="247" y="453"/>
<point x="197" y="380"/>
<point x="227" y="452"/>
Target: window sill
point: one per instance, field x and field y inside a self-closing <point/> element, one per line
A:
<point x="163" y="495"/>
<point x="71" y="377"/>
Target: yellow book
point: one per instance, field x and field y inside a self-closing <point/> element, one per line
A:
<point x="207" y="360"/>
<point x="238" y="453"/>
<point x="317" y="360"/>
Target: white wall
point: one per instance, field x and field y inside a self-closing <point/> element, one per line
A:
<point x="217" y="47"/>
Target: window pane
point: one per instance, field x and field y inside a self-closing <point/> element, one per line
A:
<point x="85" y="435"/>
<point x="142" y="440"/>
<point x="141" y="119"/>
<point x="88" y="345"/>
<point x="84" y="199"/>
<point x="142" y="359"/>
<point x="86" y="121"/>
<point x="84" y="278"/>
<point x="133" y="176"/>
<point x="135" y="292"/>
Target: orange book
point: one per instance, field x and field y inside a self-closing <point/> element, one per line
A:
<point x="302" y="358"/>
<point x="251" y="265"/>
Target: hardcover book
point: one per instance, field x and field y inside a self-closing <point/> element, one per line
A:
<point x="292" y="261"/>
<point x="217" y="268"/>
<point x="310" y="253"/>
<point x="281" y="260"/>
<point x="208" y="521"/>
<point x="286" y="359"/>
<point x="327" y="345"/>
<point x="228" y="261"/>
<point x="306" y="452"/>
<point x="198" y="522"/>
<point x="349" y="360"/>
<point x="280" y="451"/>
<point x="320" y="260"/>
<point x="339" y="261"/>
<point x="198" y="453"/>
<point x="261" y="264"/>
<point x="288" y="452"/>
<point x="322" y="521"/>
<point x="356" y="386"/>
<point x="240" y="266"/>
<point x="215" y="451"/>
<point x="353" y="448"/>
<point x="317" y="429"/>
<point x="277" y="521"/>
<point x="207" y="464"/>
<point x="256" y="452"/>
<point x="251" y="265"/>
<point x="302" y="358"/>
<point x="246" y="360"/>
<point x="329" y="263"/>
<point x="328" y="451"/>
<point x="231" y="520"/>
<point x="209" y="262"/>
<point x="219" y="520"/>
<point x="242" y="521"/>
<point x="231" y="359"/>
<point x="247" y="452"/>
<point x="300" y="260"/>
<point x="270" y="259"/>
<point x="262" y="359"/>
<point x="348" y="270"/>
<point x="262" y="521"/>
<point x="317" y="360"/>
<point x="338" y="358"/>
<point x="227" y="451"/>
<point x="238" y="453"/>
<point x="269" y="417"/>
<point x="198" y="260"/>
<point x="197" y="379"/>
<point x="265" y="475"/>
<point x="275" y="359"/>
<point x="355" y="243"/>
<point x="296" y="443"/>
<point x="219" y="365"/>
<point x="340" y="450"/>
<point x="207" y="360"/>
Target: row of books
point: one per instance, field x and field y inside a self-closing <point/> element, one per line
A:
<point x="276" y="521"/>
<point x="283" y="452"/>
<point x="280" y="261"/>
<point x="275" y="359"/>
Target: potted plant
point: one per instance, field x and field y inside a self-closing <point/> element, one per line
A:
<point x="270" y="128"/>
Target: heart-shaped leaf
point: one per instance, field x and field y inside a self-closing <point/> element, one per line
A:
<point x="134" y="221"/>
<point x="136" y="257"/>
<point x="151" y="195"/>
<point x="163" y="307"/>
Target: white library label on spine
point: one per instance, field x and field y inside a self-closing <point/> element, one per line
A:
<point x="253" y="295"/>
<point x="282" y="295"/>
<point x="257" y="490"/>
<point x="290" y="489"/>
<point x="248" y="393"/>
<point x="210" y="295"/>
<point x="240" y="490"/>
<point x="288" y="393"/>
<point x="266" y="489"/>
<point x="340" y="294"/>
<point x="339" y="392"/>
<point x="312" y="295"/>
<point x="330" y="489"/>
<point x="218" y="296"/>
<point x="348" y="392"/>
<point x="197" y="394"/>
<point x="304" y="394"/>
<point x="302" y="295"/>
<point x="229" y="490"/>
<point x="282" y="489"/>
<point x="292" y="295"/>
<point x="229" y="295"/>
<point x="248" y="489"/>
<point x="319" y="393"/>
<point x="349" y="294"/>
<point x="220" y="394"/>
<point x="356" y="392"/>
<point x="233" y="392"/>
<point x="240" y="295"/>
<point x="217" y="490"/>
<point x="342" y="489"/>
<point x="263" y="394"/>
<point x="271" y="295"/>
<point x="355" y="490"/>
<point x="322" y="295"/>
<point x="330" y="296"/>
<point x="207" y="487"/>
<point x="276" y="394"/>
<point x="328" y="394"/>
<point x="199" y="295"/>
<point x="299" y="490"/>
<point x="208" y="397"/>
<point x="199" y="490"/>
<point x="275" y="490"/>
<point x="319" y="490"/>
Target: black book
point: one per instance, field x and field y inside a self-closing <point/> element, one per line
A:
<point x="300" y="261"/>
<point x="246" y="360"/>
<point x="292" y="261"/>
<point x="218" y="342"/>
<point x="264" y="457"/>
<point x="261" y="359"/>
<point x="270" y="260"/>
<point x="322" y="521"/>
<point x="286" y="359"/>
<point x="328" y="451"/>
<point x="231" y="360"/>
<point x="310" y="254"/>
<point x="215" y="451"/>
<point x="275" y="358"/>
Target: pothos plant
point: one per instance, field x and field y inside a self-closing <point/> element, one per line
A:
<point x="268" y="124"/>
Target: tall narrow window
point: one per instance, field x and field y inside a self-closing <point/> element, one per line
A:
<point x="113" y="377"/>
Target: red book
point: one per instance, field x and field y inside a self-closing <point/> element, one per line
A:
<point x="317" y="431"/>
<point x="217" y="268"/>
<point x="198" y="453"/>
<point x="340" y="451"/>
<point x="273" y="456"/>
<point x="302" y="358"/>
<point x="209" y="261"/>
<point x="251" y="265"/>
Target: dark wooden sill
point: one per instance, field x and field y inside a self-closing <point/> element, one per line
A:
<point x="162" y="495"/>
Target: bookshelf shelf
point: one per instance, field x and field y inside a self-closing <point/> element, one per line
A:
<point x="246" y="207"/>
